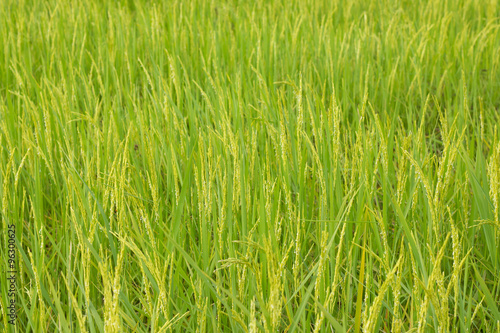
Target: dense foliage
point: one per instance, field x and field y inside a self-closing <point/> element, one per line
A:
<point x="251" y="166"/>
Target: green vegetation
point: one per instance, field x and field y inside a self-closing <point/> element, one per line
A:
<point x="293" y="166"/>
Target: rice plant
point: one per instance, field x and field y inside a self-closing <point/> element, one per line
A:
<point x="263" y="166"/>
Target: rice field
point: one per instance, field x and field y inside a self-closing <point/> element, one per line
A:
<point x="250" y="166"/>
